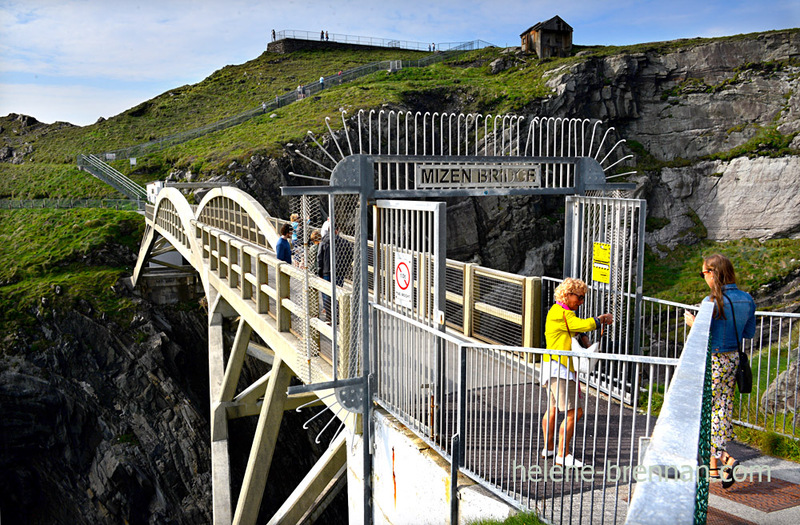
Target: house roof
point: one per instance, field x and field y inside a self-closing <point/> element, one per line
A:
<point x="554" y="24"/>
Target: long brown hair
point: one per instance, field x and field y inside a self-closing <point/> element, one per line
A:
<point x="723" y="273"/>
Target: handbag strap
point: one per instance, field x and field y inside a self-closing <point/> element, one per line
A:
<point x="735" y="329"/>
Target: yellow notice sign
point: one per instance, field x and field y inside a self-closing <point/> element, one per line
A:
<point x="601" y="262"/>
<point x="601" y="273"/>
<point x="602" y="253"/>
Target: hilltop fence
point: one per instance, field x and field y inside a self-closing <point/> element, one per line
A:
<point x="367" y="41"/>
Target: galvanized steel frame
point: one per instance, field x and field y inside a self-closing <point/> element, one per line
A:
<point x="564" y="166"/>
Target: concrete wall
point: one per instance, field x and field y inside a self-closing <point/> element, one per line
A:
<point x="287" y="45"/>
<point x="411" y="482"/>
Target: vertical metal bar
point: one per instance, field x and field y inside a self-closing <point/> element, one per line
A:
<point x="365" y="355"/>
<point x="333" y="305"/>
<point x="306" y="292"/>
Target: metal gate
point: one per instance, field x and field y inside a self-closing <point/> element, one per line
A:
<point x="604" y="246"/>
<point x="409" y="278"/>
<point x="409" y="259"/>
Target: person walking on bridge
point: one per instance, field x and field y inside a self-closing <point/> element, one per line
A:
<point x="734" y="319"/>
<point x="558" y="374"/>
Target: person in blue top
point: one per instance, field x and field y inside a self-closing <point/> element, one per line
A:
<point x="283" y="250"/>
<point x="733" y="320"/>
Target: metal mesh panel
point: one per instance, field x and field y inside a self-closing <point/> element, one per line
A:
<point x="347" y="266"/>
<point x="454" y="282"/>
<point x="305" y="218"/>
<point x="498" y="303"/>
<point x="496" y="329"/>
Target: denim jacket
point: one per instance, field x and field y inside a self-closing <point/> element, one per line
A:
<point x="723" y="333"/>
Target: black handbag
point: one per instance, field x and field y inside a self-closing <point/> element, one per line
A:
<point x="744" y="375"/>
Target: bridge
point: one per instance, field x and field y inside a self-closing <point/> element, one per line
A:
<point x="423" y="352"/>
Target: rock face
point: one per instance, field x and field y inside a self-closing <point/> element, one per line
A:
<point x="691" y="102"/>
<point x="743" y="198"/>
<point x="782" y="393"/>
<point x="680" y="106"/>
<point x="99" y="428"/>
<point x="101" y="423"/>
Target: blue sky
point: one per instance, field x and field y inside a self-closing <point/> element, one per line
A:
<point x="78" y="60"/>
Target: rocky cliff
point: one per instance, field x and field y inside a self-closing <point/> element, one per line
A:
<point x="102" y="423"/>
<point x="713" y="117"/>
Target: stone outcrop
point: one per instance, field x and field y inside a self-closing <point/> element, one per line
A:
<point x="694" y="101"/>
<point x="743" y="198"/>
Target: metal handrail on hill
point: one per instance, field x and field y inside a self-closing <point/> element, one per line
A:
<point x="294" y="96"/>
<point x="30" y="204"/>
<point x="112" y="177"/>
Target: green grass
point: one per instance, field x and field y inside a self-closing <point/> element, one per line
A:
<point x="766" y="366"/>
<point x="51" y="181"/>
<point x="675" y="277"/>
<point x="43" y="250"/>
<point x="769" y="443"/>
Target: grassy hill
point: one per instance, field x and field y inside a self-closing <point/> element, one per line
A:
<point x="48" y="152"/>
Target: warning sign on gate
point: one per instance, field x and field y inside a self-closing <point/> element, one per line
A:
<point x="601" y="262"/>
<point x="403" y="279"/>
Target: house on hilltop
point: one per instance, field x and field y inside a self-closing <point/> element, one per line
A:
<point x="552" y="38"/>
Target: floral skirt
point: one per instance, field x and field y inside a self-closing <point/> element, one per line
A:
<point x="723" y="380"/>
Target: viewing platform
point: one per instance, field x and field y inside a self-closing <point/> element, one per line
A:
<point x="288" y="40"/>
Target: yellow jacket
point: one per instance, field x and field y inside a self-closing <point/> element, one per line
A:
<point x="555" y="331"/>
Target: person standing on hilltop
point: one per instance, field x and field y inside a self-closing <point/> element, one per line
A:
<point x="322" y="35"/>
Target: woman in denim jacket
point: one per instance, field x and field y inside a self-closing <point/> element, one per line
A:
<point x="733" y="320"/>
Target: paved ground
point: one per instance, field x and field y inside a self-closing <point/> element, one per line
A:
<point x="769" y="501"/>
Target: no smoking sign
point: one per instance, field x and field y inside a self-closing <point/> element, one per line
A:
<point x="403" y="279"/>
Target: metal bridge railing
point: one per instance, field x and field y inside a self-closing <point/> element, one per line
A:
<point x="116" y="204"/>
<point x="277" y="289"/>
<point x="481" y="408"/>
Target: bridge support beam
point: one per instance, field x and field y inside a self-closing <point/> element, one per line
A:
<point x="321" y="483"/>
<point x="220" y="461"/>
<point x="234" y="367"/>
<point x="269" y="422"/>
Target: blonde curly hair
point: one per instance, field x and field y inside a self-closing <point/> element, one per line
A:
<point x="568" y="286"/>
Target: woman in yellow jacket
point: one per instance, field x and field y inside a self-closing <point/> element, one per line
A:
<point x="558" y="374"/>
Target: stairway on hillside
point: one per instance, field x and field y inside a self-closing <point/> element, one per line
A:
<point x="92" y="164"/>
